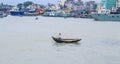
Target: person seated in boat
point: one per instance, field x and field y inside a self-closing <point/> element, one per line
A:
<point x="59" y="36"/>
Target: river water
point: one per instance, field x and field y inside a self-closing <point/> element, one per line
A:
<point x="24" y="40"/>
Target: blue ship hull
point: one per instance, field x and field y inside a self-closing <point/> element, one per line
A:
<point x="106" y="17"/>
<point x="16" y="13"/>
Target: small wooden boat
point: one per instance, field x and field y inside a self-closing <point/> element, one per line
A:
<point x="61" y="40"/>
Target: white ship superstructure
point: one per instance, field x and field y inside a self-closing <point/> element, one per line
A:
<point x="117" y="3"/>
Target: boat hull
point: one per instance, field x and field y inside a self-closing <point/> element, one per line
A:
<point x="60" y="40"/>
<point x="16" y="13"/>
<point x="106" y="17"/>
<point x="3" y="15"/>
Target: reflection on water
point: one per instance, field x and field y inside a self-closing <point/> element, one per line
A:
<point x="63" y="44"/>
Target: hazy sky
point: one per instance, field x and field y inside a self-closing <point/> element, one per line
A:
<point x="14" y="2"/>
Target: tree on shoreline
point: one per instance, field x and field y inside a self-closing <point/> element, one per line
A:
<point x="19" y="5"/>
<point x="27" y="3"/>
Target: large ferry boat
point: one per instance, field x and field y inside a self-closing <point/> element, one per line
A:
<point x="106" y="17"/>
<point x="104" y="14"/>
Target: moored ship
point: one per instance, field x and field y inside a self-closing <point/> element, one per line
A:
<point x="112" y="14"/>
<point x="106" y="17"/>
